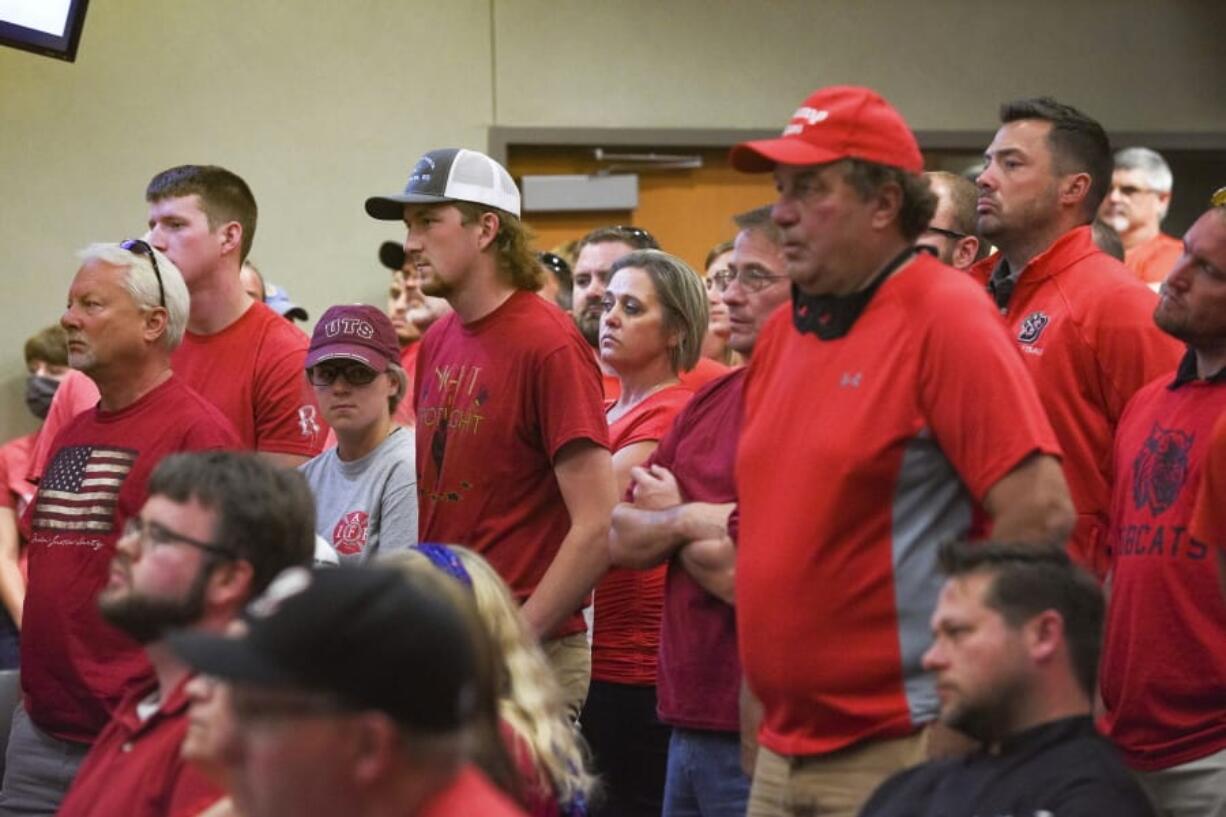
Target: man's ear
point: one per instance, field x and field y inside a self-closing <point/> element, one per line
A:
<point x="374" y="743"/>
<point x="231" y="234"/>
<point x="488" y="224"/>
<point x="1045" y="636"/>
<point x="965" y="250"/>
<point x="157" y="323"/>
<point x="1074" y="188"/>
<point x="888" y="200"/>
<point x="230" y="583"/>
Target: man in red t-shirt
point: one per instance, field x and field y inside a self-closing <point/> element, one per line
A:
<point x="512" y="443"/>
<point x="1163" y="666"/>
<point x="379" y="728"/>
<point x="75" y="667"/>
<point x="880" y="411"/>
<point x="677" y="512"/>
<point x="1135" y="206"/>
<point x="216" y="530"/>
<point x="241" y="355"/>
<point x="1081" y="320"/>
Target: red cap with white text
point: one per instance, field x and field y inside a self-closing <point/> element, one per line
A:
<point x="839" y="122"/>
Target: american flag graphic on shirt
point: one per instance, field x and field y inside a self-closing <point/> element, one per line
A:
<point x="79" y="491"/>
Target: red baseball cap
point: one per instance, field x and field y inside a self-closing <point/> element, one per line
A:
<point x="354" y="332"/>
<point x="839" y="122"/>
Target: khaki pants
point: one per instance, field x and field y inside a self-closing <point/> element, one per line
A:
<point x="1193" y="789"/>
<point x="571" y="659"/>
<point x="829" y="785"/>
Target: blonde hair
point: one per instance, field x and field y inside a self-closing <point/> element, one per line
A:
<point x="531" y="700"/>
<point x="489" y="751"/>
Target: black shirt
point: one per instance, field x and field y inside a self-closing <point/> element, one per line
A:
<point x="1059" y="769"/>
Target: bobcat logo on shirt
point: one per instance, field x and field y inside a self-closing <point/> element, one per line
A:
<point x="1032" y="327"/>
<point x="1160" y="469"/>
<point x="349" y="535"/>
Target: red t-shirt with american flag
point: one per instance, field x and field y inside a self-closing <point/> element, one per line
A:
<point x="74" y="666"/>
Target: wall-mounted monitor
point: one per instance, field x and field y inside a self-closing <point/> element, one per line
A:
<point x="48" y="27"/>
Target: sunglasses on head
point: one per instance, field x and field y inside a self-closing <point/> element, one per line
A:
<point x="141" y="247"/>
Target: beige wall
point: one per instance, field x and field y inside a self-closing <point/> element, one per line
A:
<point x="319" y="104"/>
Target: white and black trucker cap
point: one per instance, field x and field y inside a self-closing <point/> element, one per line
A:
<point x="451" y="174"/>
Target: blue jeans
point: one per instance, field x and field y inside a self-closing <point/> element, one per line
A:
<point x="704" y="775"/>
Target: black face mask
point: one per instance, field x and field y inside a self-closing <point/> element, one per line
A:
<point x="39" y="391"/>
<point x="831" y="316"/>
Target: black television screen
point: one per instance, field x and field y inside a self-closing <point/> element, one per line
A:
<point x="48" y="27"/>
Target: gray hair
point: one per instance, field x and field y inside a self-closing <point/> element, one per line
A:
<point x="683" y="297"/>
<point x="1151" y="165"/>
<point x="759" y="220"/>
<point x="141" y="282"/>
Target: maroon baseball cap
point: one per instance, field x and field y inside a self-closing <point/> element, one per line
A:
<point x="354" y="332"/>
<point x="839" y="122"/>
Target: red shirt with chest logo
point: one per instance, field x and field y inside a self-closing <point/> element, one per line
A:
<point x="1085" y="327"/>
<point x="858" y="457"/>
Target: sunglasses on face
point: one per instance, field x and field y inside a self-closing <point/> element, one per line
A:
<point x="139" y="247"/>
<point x="355" y="374"/>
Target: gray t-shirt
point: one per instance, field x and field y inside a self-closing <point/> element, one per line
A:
<point x="369" y="505"/>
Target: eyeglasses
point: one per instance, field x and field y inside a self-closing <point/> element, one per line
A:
<point x="1218" y="199"/>
<point x="151" y="533"/>
<point x="709" y="281"/>
<point x="136" y="245"/>
<point x="753" y="280"/>
<point x="956" y="236"/>
<point x="1130" y="190"/>
<point x="355" y="374"/>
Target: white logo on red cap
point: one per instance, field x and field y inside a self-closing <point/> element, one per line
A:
<point x="349" y="326"/>
<point x="807" y="116"/>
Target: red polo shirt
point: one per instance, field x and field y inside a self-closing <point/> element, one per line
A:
<point x="134" y="768"/>
<point x="1085" y="327"/>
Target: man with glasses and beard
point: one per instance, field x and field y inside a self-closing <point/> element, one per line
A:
<point x="216" y="530"/>
<point x="1015" y="652"/>
<point x="127" y="309"/>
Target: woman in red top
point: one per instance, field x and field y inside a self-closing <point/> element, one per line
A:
<point x="655" y="316"/>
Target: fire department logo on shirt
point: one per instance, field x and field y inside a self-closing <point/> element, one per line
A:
<point x="81" y="488"/>
<point x="1032" y="327"/>
<point x="349" y="535"/>
<point x="1160" y="469"/>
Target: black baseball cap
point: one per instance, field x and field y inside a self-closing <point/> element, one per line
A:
<point x="451" y="174"/>
<point x="363" y="635"/>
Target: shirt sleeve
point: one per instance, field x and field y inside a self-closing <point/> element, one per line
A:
<point x="287" y="417"/>
<point x="1129" y="348"/>
<point x="569" y="400"/>
<point x="979" y="400"/>
<point x="76" y="393"/>
<point x="1209" y="513"/>
<point x="191" y="793"/>
<point x="398" y="509"/>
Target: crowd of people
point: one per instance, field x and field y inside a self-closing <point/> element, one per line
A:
<point x="907" y="503"/>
